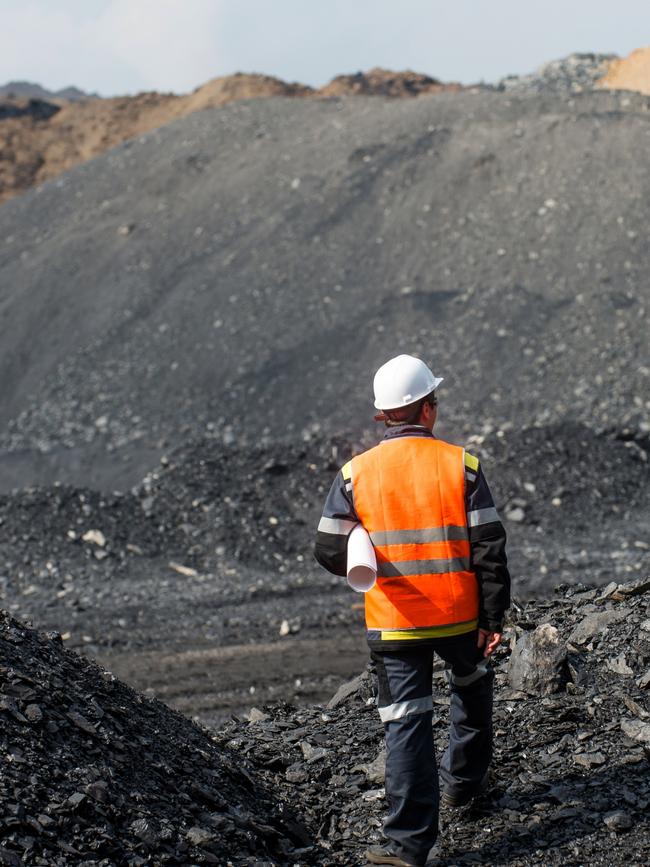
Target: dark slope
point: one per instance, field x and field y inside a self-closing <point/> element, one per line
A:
<point x="246" y="269"/>
<point x="94" y="773"/>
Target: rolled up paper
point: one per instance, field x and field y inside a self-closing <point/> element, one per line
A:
<point x="362" y="562"/>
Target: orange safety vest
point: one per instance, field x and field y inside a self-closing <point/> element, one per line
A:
<point x="409" y="493"/>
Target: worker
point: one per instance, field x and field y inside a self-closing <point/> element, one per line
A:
<point x="442" y="587"/>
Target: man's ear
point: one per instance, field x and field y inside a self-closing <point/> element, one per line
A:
<point x="427" y="411"/>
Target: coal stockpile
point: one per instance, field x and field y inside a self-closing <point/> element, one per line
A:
<point x="190" y="585"/>
<point x="570" y="780"/>
<point x="244" y="270"/>
<point x="93" y="773"/>
<point x="215" y="510"/>
<point x="199" y="585"/>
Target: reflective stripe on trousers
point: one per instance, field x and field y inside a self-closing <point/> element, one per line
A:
<point x="405" y="706"/>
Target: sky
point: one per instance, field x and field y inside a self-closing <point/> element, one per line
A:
<point x="125" y="46"/>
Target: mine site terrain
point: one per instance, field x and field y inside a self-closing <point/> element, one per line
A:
<point x="195" y="292"/>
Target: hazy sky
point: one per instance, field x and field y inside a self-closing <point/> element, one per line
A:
<point x="122" y="46"/>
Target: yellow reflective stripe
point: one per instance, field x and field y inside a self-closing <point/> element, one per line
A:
<point x="428" y="632"/>
<point x="346" y="471"/>
<point x="471" y="461"/>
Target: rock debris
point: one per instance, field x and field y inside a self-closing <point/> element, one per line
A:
<point x="94" y="773"/>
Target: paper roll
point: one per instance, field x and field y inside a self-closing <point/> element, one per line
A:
<point x="362" y="562"/>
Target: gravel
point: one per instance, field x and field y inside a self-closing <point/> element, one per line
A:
<point x="572" y="74"/>
<point x="93" y="773"/>
<point x="217" y="272"/>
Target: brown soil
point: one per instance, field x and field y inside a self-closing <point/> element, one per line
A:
<point x="630" y="73"/>
<point x="383" y="82"/>
<point x="34" y="148"/>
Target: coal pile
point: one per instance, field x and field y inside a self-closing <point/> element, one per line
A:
<point x="214" y="273"/>
<point x="237" y="526"/>
<point x="570" y="781"/>
<point x="180" y="584"/>
<point x="94" y="773"/>
<point x="175" y="583"/>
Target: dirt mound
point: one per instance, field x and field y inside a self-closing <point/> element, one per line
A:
<point x="629" y="73"/>
<point x="384" y="82"/>
<point x="230" y="88"/>
<point x="36" y="148"/>
<point x="95" y="773"/>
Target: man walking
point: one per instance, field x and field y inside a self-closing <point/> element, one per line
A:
<point x="442" y="587"/>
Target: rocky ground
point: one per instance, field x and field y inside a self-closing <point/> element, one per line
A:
<point x="188" y="330"/>
<point x="97" y="774"/>
<point x="175" y="584"/>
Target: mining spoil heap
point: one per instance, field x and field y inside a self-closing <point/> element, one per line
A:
<point x="212" y="276"/>
<point x="189" y="326"/>
<point x="199" y="584"/>
<point x="94" y="773"/>
<point x="188" y="329"/>
<point x="50" y="133"/>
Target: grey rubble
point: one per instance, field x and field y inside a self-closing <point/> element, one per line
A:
<point x="234" y="260"/>
<point x="573" y="74"/>
<point x="96" y="774"/>
<point x="93" y="773"/>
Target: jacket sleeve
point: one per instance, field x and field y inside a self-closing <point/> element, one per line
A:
<point x="337" y="522"/>
<point x="487" y="537"/>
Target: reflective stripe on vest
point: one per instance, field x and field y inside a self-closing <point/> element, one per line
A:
<point x="409" y="494"/>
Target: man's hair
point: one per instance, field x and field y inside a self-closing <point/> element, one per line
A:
<point x="409" y="414"/>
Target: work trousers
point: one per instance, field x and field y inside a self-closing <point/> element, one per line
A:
<point x="405" y="705"/>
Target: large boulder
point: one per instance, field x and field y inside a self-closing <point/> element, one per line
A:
<point x="538" y="663"/>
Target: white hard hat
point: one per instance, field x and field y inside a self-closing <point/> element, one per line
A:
<point x="401" y="381"/>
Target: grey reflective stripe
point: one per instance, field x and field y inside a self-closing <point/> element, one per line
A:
<point x="482" y="516"/>
<point x="337" y="526"/>
<point x="422" y="567"/>
<point x="404" y="708"/>
<point x="419" y="537"/>
<point x="348" y="486"/>
<point x="465" y="680"/>
<point x="471" y="477"/>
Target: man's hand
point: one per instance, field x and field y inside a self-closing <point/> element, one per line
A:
<point x="489" y="640"/>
